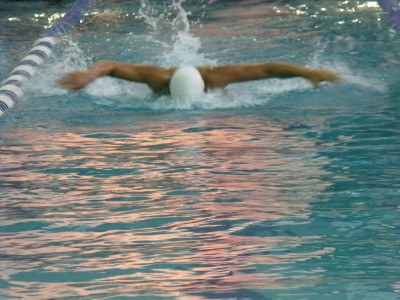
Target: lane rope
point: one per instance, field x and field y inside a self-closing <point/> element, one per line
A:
<point x="392" y="7"/>
<point x="11" y="88"/>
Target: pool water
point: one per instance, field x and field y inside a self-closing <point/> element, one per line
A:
<point x="266" y="190"/>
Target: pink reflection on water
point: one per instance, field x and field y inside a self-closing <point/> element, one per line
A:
<point x="156" y="211"/>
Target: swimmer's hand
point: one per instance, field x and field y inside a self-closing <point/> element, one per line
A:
<point x="75" y="81"/>
<point x="318" y="76"/>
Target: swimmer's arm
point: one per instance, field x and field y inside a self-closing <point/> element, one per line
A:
<point x="224" y="75"/>
<point x="155" y="77"/>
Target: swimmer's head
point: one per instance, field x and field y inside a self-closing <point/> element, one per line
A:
<point x="186" y="83"/>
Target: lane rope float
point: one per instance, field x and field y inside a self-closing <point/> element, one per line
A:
<point x="392" y="7"/>
<point x="11" y="88"/>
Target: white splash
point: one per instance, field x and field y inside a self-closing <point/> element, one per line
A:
<point x="354" y="78"/>
<point x="44" y="83"/>
<point x="171" y="28"/>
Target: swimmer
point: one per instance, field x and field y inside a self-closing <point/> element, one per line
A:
<point x="191" y="81"/>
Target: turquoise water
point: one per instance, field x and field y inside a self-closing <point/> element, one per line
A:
<point x="268" y="190"/>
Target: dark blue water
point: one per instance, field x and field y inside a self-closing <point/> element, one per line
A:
<point x="268" y="190"/>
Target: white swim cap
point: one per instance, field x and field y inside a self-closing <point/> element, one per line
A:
<point x="186" y="82"/>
